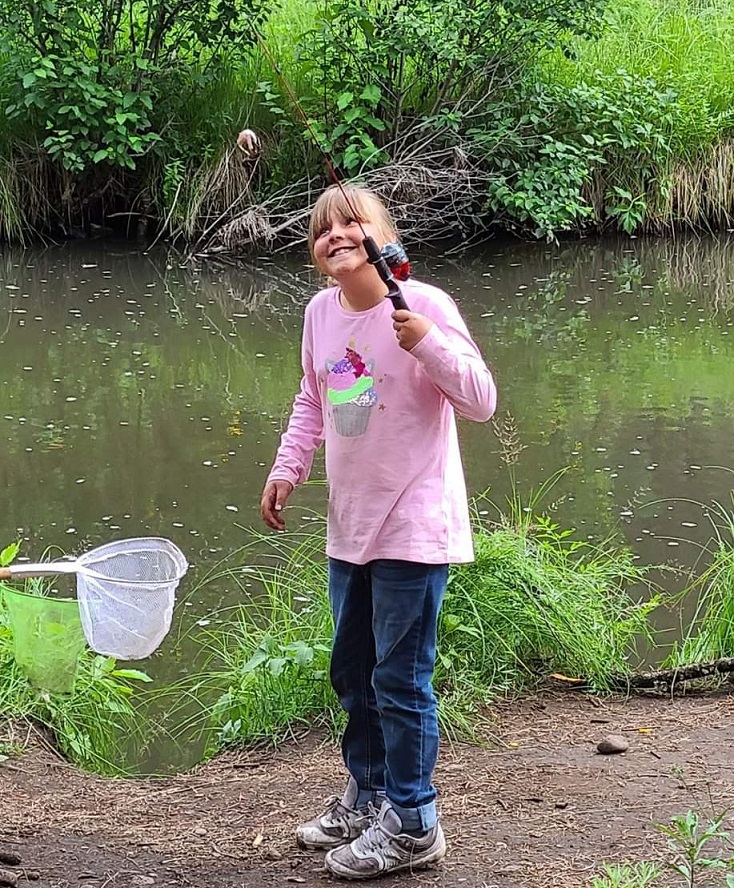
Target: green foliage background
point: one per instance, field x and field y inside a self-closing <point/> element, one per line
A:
<point x="549" y="117"/>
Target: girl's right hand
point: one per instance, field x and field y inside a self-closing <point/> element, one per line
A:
<point x="273" y="501"/>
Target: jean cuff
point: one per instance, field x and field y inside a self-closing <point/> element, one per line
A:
<point x="424" y="817"/>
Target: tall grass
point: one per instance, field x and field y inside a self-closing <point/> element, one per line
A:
<point x="710" y="634"/>
<point x="273" y="657"/>
<point x="12" y="222"/>
<point x="684" y="44"/>
<point x="533" y="602"/>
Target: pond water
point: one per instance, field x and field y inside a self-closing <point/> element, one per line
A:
<point x="141" y="395"/>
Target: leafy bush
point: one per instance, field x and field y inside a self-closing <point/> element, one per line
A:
<point x="88" y="79"/>
<point x="545" y="161"/>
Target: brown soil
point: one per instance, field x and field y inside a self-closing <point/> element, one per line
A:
<point x="538" y="807"/>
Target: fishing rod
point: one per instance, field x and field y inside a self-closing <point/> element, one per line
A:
<point x="392" y="257"/>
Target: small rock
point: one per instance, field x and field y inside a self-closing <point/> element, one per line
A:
<point x="8" y="879"/>
<point x="272" y="854"/>
<point x="200" y="831"/>
<point x="9" y="858"/>
<point x="612" y="744"/>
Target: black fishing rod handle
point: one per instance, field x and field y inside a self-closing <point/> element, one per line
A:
<point x="395" y="296"/>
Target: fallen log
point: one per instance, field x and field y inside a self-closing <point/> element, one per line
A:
<point x="671" y="677"/>
<point x="658" y="678"/>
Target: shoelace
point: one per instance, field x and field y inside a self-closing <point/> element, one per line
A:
<point x="337" y="812"/>
<point x="375" y="837"/>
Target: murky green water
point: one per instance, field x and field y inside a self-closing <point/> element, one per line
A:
<point x="140" y="396"/>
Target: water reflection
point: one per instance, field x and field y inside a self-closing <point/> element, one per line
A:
<point x="141" y="395"/>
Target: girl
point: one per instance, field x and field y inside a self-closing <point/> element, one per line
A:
<point x="380" y="388"/>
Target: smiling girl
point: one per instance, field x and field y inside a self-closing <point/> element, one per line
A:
<point x="380" y="389"/>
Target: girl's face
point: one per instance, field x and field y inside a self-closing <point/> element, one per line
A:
<point x="337" y="246"/>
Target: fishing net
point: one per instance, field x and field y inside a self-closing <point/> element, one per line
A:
<point x="48" y="638"/>
<point x="125" y="590"/>
<point x="126" y="593"/>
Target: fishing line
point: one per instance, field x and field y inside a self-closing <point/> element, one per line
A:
<point x="380" y="259"/>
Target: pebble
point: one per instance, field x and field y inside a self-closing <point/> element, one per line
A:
<point x="200" y="831"/>
<point x="612" y="744"/>
<point x="8" y="878"/>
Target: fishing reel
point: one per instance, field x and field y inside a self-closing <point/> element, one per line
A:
<point x="392" y="265"/>
<point x="397" y="259"/>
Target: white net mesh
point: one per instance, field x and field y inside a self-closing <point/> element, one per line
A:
<point x="126" y="593"/>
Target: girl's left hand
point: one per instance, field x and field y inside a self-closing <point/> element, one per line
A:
<point x="410" y="327"/>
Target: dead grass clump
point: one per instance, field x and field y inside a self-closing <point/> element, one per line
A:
<point x="430" y="196"/>
<point x="253" y="226"/>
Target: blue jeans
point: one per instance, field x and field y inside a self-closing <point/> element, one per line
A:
<point x="385" y="621"/>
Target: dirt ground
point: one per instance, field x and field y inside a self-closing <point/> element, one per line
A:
<point x="538" y="807"/>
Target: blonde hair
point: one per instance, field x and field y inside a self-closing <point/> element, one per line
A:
<point x="350" y="202"/>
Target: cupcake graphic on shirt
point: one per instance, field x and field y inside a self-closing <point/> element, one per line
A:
<point x="351" y="393"/>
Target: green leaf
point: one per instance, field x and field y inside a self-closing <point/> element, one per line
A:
<point x="451" y="622"/>
<point x="303" y="654"/>
<point x="132" y="674"/>
<point x="113" y="705"/>
<point x="9" y="554"/>
<point x="371" y="93"/>
<point x="99" y="155"/>
<point x="257" y="659"/>
<point x="102" y="665"/>
<point x="344" y="100"/>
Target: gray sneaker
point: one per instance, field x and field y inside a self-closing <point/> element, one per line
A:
<point x="382" y="848"/>
<point x="341" y="822"/>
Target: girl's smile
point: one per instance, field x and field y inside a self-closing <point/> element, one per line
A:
<point x="338" y="249"/>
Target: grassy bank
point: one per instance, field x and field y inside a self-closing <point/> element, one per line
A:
<point x="568" y="122"/>
<point x="534" y="602"/>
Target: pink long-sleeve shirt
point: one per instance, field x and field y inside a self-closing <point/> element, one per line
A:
<point x="395" y="480"/>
